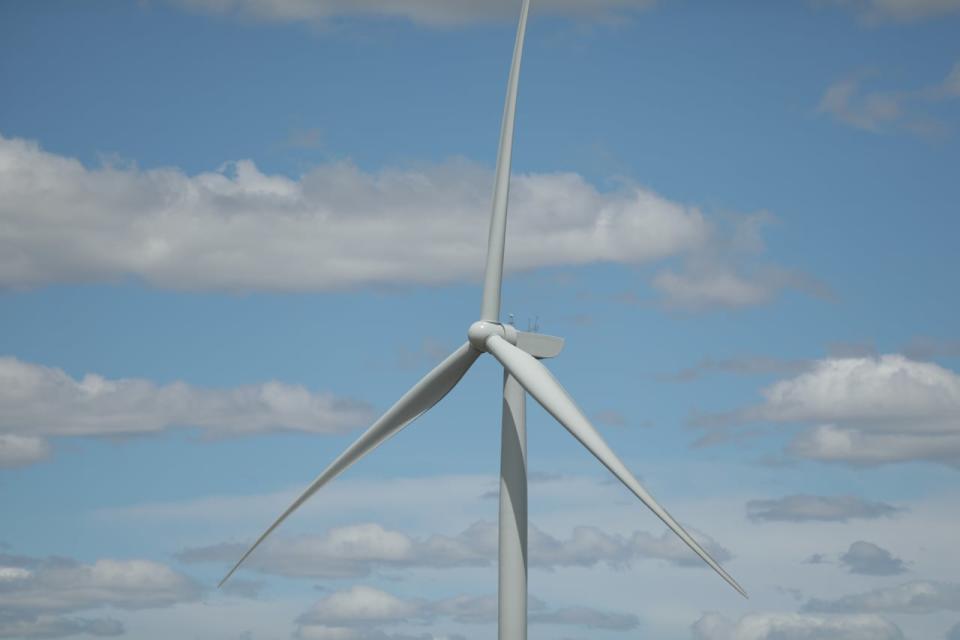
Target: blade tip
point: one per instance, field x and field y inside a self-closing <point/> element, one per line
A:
<point x="228" y="576"/>
<point x="739" y="589"/>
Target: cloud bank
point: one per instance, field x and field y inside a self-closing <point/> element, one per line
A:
<point x="795" y="626"/>
<point x="38" y="402"/>
<point x="338" y="227"/>
<point x="361" y="613"/>
<point x="918" y="597"/>
<point x="359" y="550"/>
<point x="35" y="593"/>
<point x="430" y="13"/>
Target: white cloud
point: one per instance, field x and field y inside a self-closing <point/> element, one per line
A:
<point x="351" y="551"/>
<point x="711" y="289"/>
<point x="918" y="597"/>
<point x="335" y="227"/>
<point x="885" y="391"/>
<point x="38" y="401"/>
<point x="58" y="585"/>
<point x="831" y="443"/>
<point x="880" y="111"/>
<point x="924" y="534"/>
<point x="17" y="450"/>
<point x="358" y="550"/>
<point x="47" y="626"/>
<point x="361" y="605"/>
<point x="871" y="410"/>
<point x="432" y="13"/>
<point x="881" y="11"/>
<point x="723" y="271"/>
<point x="325" y="632"/>
<point x="11" y="574"/>
<point x="794" y="626"/>
<point x="360" y="613"/>
<point x="712" y="626"/>
<point x="804" y="508"/>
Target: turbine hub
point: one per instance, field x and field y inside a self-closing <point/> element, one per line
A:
<point x="480" y="330"/>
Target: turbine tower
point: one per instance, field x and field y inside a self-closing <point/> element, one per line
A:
<point x="519" y="353"/>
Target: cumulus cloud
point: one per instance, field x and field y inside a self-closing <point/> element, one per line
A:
<point x="36" y="592"/>
<point x="830" y="443"/>
<point x="361" y="605"/>
<point x="430" y="13"/>
<point x="848" y="102"/>
<point x="38" y="402"/>
<point x="338" y="227"/>
<point x="351" y="551"/>
<point x="63" y="585"/>
<point x="794" y="626"/>
<point x="919" y="597"/>
<point x="361" y="613"/>
<point x="867" y="411"/>
<point x="358" y="550"/>
<point x="885" y="11"/>
<point x="47" y="626"/>
<point x="335" y="227"/>
<point x="804" y="508"/>
<point x="869" y="559"/>
<point x="887" y="391"/>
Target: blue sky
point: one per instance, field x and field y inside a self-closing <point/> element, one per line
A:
<point x="233" y="232"/>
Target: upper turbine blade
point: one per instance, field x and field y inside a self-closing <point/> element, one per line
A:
<point x="493" y="276"/>
<point x="426" y="393"/>
<point x="540" y="383"/>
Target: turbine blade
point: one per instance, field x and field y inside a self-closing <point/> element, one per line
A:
<point x="426" y="393"/>
<point x="540" y="383"/>
<point x="493" y="276"/>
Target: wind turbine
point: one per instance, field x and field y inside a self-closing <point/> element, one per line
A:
<point x="519" y="352"/>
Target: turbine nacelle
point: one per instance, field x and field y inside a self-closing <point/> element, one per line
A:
<point x="539" y="345"/>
